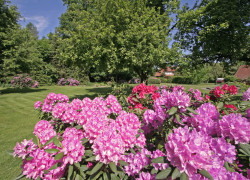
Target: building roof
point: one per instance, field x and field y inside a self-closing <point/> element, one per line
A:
<point x="243" y="72"/>
<point x="168" y="69"/>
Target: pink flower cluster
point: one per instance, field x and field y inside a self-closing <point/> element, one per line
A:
<point x="140" y="93"/>
<point x="195" y="94"/>
<point x="117" y="137"/>
<point x="25" y="148"/>
<point x="235" y="127"/>
<point x="206" y="120"/>
<point x="246" y="95"/>
<point x="72" y="147"/>
<point x="44" y="131"/>
<point x="146" y="176"/>
<point x="192" y="150"/>
<point x="50" y="101"/>
<point x="69" y="82"/>
<point x="23" y="81"/>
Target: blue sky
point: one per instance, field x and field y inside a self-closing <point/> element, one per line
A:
<point x="44" y="14"/>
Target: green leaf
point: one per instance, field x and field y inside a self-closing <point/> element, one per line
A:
<point x="133" y="151"/>
<point x="84" y="140"/>
<point x="114" y="177"/>
<point x="96" y="175"/>
<point x="49" y="141"/>
<point x="141" y="131"/>
<point x="78" y="177"/>
<point x="105" y="176"/>
<point x="163" y="174"/>
<point x="59" y="156"/>
<point x="57" y="142"/>
<point x="54" y="166"/>
<point x="88" y="153"/>
<point x="245" y="148"/>
<point x="137" y="135"/>
<point x="113" y="167"/>
<point x="220" y="105"/>
<point x="177" y="116"/>
<point x="176" y="173"/>
<point x="96" y="168"/>
<point x="123" y="163"/>
<point x="29" y="158"/>
<point x="153" y="171"/>
<point x="184" y="176"/>
<point x="206" y="174"/>
<point x="92" y="158"/>
<point x="77" y="165"/>
<point x="10" y="152"/>
<point x="192" y="111"/>
<point x="51" y="150"/>
<point x="226" y="165"/>
<point x="20" y="176"/>
<point x="78" y="127"/>
<point x="172" y="111"/>
<point x="159" y="160"/>
<point x="84" y="167"/>
<point x="70" y="171"/>
<point x="247" y="103"/>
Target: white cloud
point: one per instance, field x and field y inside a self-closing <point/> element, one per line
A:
<point x="40" y="22"/>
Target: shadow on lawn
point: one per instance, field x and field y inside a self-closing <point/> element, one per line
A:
<point x="20" y="90"/>
<point x="94" y="92"/>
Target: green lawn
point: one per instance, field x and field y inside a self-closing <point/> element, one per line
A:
<point x="18" y="117"/>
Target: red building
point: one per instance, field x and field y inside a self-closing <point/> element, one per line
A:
<point x="165" y="72"/>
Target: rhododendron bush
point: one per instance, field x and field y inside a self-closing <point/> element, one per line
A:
<point x="167" y="133"/>
<point x="23" y="81"/>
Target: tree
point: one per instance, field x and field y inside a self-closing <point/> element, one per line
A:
<point x="32" y="29"/>
<point x="216" y="30"/>
<point x="8" y="20"/>
<point x="116" y="34"/>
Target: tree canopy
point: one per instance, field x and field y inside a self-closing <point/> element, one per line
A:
<point x="216" y="31"/>
<point x="116" y="34"/>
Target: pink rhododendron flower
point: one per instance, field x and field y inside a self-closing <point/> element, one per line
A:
<point x="137" y="162"/>
<point x="24" y="148"/>
<point x="246" y="95"/>
<point x="159" y="166"/>
<point x="38" y="104"/>
<point x="41" y="161"/>
<point x="146" y="176"/>
<point x="235" y="127"/>
<point x="190" y="151"/>
<point x="44" y="131"/>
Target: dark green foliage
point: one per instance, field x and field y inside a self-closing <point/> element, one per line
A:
<point x="216" y="31"/>
<point x="230" y="78"/>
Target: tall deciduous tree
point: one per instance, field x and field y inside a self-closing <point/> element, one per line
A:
<point x="116" y="34"/>
<point x="216" y="30"/>
<point x="32" y="29"/>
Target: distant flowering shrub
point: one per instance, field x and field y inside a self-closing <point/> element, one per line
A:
<point x="23" y="81"/>
<point x="174" y="134"/>
<point x="220" y="92"/>
<point x="68" y="82"/>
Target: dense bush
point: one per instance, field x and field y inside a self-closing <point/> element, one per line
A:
<point x="154" y="80"/>
<point x="172" y="134"/>
<point x="23" y="81"/>
<point x="68" y="82"/>
<point x="230" y="79"/>
<point x="181" y="80"/>
<point x="163" y="79"/>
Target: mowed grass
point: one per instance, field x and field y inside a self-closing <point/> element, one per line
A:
<point x="18" y="117"/>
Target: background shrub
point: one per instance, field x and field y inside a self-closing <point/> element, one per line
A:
<point x="154" y="80"/>
<point x="230" y="79"/>
<point x="23" y="81"/>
